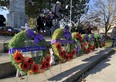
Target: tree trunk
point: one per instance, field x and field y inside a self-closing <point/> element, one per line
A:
<point x="106" y="31"/>
<point x="105" y="34"/>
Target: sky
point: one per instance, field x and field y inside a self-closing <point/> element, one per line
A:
<point x="5" y="12"/>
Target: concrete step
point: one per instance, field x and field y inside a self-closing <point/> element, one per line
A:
<point x="65" y="72"/>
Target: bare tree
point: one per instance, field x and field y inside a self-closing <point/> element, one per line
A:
<point x="106" y="11"/>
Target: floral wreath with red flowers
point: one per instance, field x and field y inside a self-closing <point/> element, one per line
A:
<point x="92" y="45"/>
<point x="29" y="65"/>
<point x="85" y="43"/>
<point x="78" y="39"/>
<point x="63" y="45"/>
<point x="103" y="40"/>
<point x="97" y="40"/>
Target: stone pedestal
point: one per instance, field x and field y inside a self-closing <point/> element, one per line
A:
<point x="17" y="17"/>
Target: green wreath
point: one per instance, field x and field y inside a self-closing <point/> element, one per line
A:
<point x="103" y="40"/>
<point x="62" y="45"/>
<point x="97" y="39"/>
<point x="78" y="39"/>
<point x="26" y="64"/>
<point x="85" y="44"/>
<point x="91" y="42"/>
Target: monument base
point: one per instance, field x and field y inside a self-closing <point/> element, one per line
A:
<point x="16" y="19"/>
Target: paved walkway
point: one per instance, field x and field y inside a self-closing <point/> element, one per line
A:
<point x="104" y="71"/>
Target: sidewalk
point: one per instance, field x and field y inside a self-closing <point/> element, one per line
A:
<point x="68" y="71"/>
<point x="104" y="71"/>
<point x="5" y="39"/>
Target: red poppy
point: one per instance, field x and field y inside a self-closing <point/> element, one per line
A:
<point x="93" y="48"/>
<point x="18" y="57"/>
<point x="63" y="53"/>
<point x="70" y="55"/>
<point x="47" y="64"/>
<point x="47" y="58"/>
<point x="58" y="46"/>
<point x="83" y="45"/>
<point x="90" y="47"/>
<point x="78" y="36"/>
<point x="25" y="65"/>
<point x="35" y="68"/>
<point x="29" y="60"/>
<point x="66" y="57"/>
<point x="87" y="51"/>
<point x="81" y="39"/>
<point x="48" y="52"/>
<point x="44" y="64"/>
<point x="73" y="51"/>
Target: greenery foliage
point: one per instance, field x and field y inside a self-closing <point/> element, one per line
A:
<point x="18" y="40"/>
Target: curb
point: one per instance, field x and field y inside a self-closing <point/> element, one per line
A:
<point x="76" y="76"/>
<point x="6" y="69"/>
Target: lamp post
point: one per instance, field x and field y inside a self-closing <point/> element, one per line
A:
<point x="70" y="15"/>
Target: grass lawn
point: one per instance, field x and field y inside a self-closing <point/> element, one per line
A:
<point x="109" y="43"/>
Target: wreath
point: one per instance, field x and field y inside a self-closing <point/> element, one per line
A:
<point x="78" y="39"/>
<point x="97" y="40"/>
<point x="103" y="40"/>
<point x="91" y="42"/>
<point x="63" y="45"/>
<point x="26" y="64"/>
<point x="85" y="44"/>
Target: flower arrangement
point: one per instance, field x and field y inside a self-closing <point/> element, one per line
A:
<point x="85" y="43"/>
<point x="78" y="40"/>
<point x="91" y="42"/>
<point x="67" y="51"/>
<point x="64" y="45"/>
<point x="97" y="40"/>
<point x="103" y="40"/>
<point x="26" y="64"/>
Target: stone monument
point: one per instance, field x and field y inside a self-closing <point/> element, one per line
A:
<point x="17" y="17"/>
